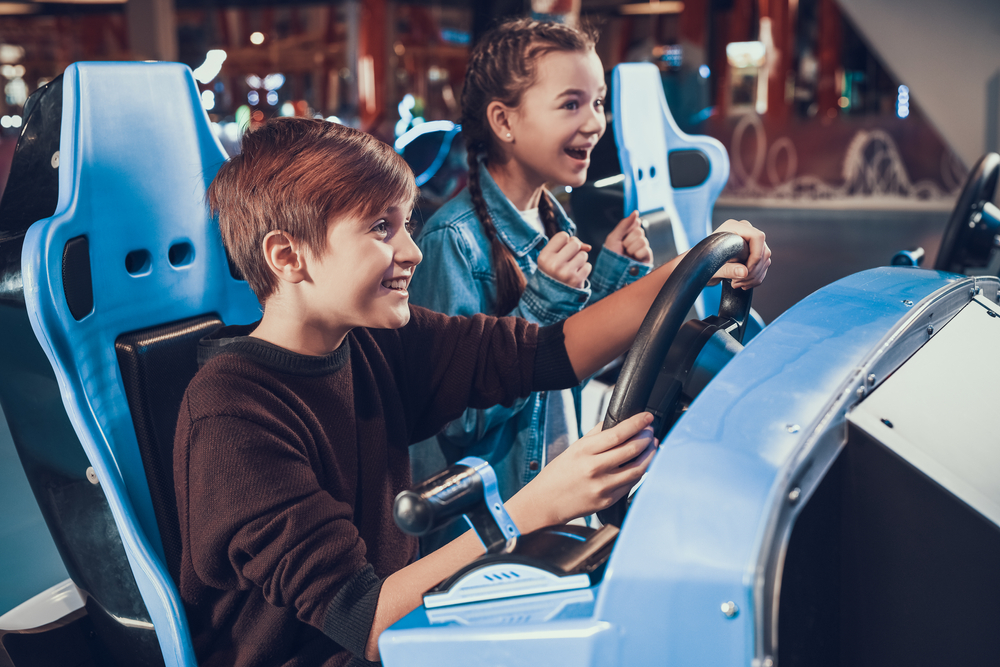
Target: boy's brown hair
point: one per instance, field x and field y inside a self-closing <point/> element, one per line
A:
<point x="297" y="175"/>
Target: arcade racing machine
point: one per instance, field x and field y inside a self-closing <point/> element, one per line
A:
<point x="828" y="494"/>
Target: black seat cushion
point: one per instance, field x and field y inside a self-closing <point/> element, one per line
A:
<point x="156" y="366"/>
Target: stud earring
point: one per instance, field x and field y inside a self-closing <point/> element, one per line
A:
<point x="509" y="136"/>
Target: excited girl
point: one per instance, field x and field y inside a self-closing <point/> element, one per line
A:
<point x="532" y="112"/>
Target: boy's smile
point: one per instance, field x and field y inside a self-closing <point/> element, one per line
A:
<point x="398" y="284"/>
<point x="359" y="280"/>
<point x="364" y="275"/>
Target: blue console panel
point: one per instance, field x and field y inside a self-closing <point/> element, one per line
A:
<point x="695" y="572"/>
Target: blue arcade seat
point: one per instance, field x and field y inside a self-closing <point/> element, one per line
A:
<point x="119" y="283"/>
<point x="671" y="178"/>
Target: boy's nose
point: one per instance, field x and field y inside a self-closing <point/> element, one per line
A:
<point x="407" y="251"/>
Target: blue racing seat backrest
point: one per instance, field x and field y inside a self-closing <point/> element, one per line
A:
<point x="666" y="169"/>
<point x="119" y="284"/>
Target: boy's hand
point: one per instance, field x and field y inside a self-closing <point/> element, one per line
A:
<point x="564" y="258"/>
<point x="749" y="270"/>
<point x="596" y="470"/>
<point x="628" y="238"/>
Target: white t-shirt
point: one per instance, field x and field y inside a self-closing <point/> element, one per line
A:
<point x="534" y="219"/>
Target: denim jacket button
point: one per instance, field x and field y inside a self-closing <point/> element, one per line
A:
<point x="533" y="466"/>
<point x="634" y="271"/>
<point x="582" y="298"/>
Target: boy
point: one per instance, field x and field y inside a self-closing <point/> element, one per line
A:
<point x="292" y="440"/>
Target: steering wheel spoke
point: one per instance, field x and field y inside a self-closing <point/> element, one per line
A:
<point x="670" y="360"/>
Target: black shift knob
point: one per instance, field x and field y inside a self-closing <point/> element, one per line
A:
<point x="413" y="513"/>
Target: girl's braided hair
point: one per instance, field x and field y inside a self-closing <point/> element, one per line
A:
<point x="502" y="67"/>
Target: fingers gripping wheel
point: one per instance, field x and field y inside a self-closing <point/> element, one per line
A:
<point x="969" y="243"/>
<point x="651" y="380"/>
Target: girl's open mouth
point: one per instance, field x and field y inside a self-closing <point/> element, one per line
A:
<point x="577" y="153"/>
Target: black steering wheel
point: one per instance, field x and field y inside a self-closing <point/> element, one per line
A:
<point x="651" y="380"/>
<point x="968" y="238"/>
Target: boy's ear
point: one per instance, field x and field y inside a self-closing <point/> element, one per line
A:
<point x="284" y="256"/>
<point x="500" y="118"/>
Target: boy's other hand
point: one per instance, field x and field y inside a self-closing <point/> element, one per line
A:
<point x="747" y="271"/>
<point x="564" y="258"/>
<point x="597" y="470"/>
<point x="628" y="238"/>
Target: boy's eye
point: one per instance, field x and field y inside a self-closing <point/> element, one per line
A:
<point x="381" y="227"/>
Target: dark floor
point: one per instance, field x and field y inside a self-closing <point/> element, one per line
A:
<point x="29" y="562"/>
<point x="814" y="247"/>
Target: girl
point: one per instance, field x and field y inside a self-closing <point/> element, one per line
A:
<point x="532" y="111"/>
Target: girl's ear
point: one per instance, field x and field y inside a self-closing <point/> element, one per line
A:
<point x="284" y="256"/>
<point x="501" y="120"/>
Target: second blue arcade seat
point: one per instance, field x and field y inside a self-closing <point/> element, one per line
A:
<point x="119" y="284"/>
<point x="670" y="176"/>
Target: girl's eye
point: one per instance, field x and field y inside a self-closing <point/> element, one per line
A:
<point x="598" y="103"/>
<point x="381" y="228"/>
<point x="572" y="105"/>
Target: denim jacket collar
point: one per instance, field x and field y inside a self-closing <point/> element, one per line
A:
<point x="511" y="227"/>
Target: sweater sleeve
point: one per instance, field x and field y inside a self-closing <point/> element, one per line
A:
<point x="453" y="363"/>
<point x="553" y="369"/>
<point x="447" y="283"/>
<point x="348" y="620"/>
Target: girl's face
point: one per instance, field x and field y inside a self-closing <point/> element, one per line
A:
<point x="560" y="119"/>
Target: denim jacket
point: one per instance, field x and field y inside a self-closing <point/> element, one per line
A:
<point x="456" y="277"/>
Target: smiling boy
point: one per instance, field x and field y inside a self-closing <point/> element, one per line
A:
<point x="292" y="439"/>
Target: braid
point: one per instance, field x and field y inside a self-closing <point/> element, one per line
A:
<point x="547" y="212"/>
<point x="509" y="279"/>
<point x="501" y="67"/>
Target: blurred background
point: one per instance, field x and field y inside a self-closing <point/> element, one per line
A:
<point x="850" y="124"/>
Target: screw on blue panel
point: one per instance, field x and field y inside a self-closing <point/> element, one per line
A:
<point x="907" y="303"/>
<point x="730" y="609"/>
<point x="792" y="428"/>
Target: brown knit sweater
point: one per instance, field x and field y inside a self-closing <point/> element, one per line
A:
<point x="286" y="467"/>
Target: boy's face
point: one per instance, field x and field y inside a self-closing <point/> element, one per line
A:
<point x="560" y="118"/>
<point x="362" y="278"/>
